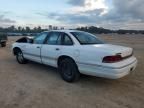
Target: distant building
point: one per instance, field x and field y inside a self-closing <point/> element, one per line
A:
<point x="50" y="27"/>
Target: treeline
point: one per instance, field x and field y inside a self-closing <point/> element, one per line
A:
<point x="91" y="29"/>
<point x="100" y="30"/>
<point x="13" y="29"/>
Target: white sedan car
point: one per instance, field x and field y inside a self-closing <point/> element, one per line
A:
<point x="74" y="52"/>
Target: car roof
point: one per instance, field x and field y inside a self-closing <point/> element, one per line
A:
<point x="63" y="31"/>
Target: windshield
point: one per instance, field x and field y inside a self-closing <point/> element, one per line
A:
<point x="86" y="38"/>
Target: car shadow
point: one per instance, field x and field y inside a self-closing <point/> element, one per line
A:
<point x="86" y="79"/>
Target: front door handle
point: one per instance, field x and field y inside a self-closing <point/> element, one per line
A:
<point x="38" y="46"/>
<point x="57" y="49"/>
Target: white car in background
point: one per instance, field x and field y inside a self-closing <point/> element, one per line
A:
<point x="74" y="52"/>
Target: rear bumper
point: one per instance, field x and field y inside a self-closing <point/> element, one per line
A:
<point x="111" y="73"/>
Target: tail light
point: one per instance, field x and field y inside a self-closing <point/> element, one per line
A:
<point x="112" y="59"/>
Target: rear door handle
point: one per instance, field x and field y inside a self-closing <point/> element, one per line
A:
<point x="38" y="46"/>
<point x="57" y="49"/>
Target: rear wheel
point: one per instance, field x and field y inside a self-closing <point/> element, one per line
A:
<point x="68" y="70"/>
<point x="20" y="58"/>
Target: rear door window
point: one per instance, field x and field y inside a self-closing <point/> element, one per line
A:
<point x="67" y="40"/>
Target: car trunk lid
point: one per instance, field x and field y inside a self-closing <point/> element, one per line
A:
<point x="113" y="49"/>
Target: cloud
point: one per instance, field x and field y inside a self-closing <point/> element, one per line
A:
<point x="83" y="17"/>
<point x="76" y="2"/>
<point x="120" y="14"/>
<point x="82" y="12"/>
<point x="88" y="5"/>
<point x="4" y="20"/>
<point x="130" y="8"/>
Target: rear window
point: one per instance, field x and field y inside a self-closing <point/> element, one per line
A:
<point x="86" y="38"/>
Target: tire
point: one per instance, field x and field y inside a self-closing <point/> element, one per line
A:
<point x="3" y="44"/>
<point x="68" y="70"/>
<point x="19" y="57"/>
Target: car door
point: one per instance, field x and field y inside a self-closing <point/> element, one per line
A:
<point x="33" y="50"/>
<point x="51" y="49"/>
<point x="68" y="47"/>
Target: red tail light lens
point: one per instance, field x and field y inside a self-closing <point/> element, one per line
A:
<point x="112" y="59"/>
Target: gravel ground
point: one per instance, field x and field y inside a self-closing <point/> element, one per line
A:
<point x="38" y="86"/>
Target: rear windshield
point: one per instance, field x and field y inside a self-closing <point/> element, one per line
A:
<point x="86" y="38"/>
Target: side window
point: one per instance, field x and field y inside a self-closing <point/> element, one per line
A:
<point x="54" y="39"/>
<point x="59" y="41"/>
<point x="40" y="39"/>
<point x="67" y="40"/>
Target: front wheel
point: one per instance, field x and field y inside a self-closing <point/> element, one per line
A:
<point x="68" y="70"/>
<point x="20" y="58"/>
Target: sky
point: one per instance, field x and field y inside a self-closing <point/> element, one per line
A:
<point x="111" y="14"/>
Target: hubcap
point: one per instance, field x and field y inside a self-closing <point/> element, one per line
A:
<point x="20" y="57"/>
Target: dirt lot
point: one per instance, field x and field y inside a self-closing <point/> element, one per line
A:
<point x="37" y="86"/>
